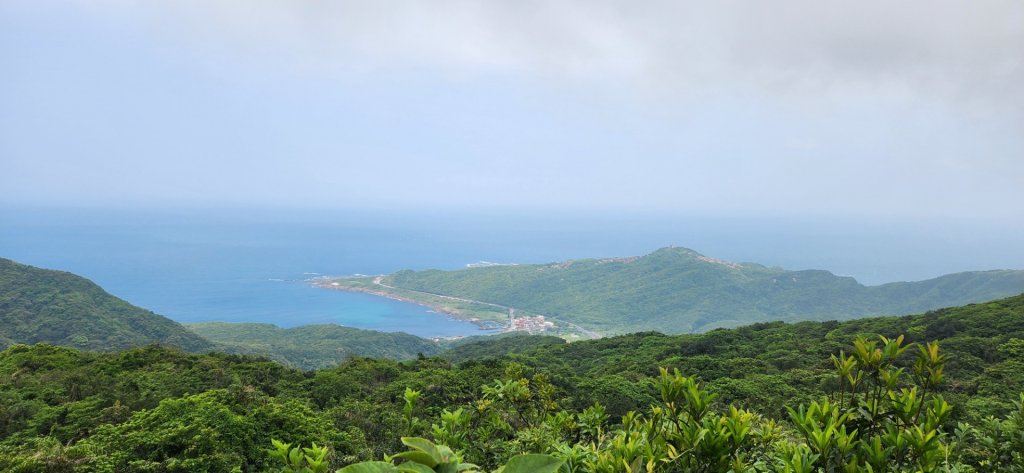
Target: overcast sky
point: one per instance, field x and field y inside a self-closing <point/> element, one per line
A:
<point x="811" y="107"/>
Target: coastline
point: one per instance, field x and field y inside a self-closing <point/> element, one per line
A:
<point x="483" y="325"/>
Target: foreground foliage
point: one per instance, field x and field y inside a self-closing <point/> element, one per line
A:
<point x="883" y="417"/>
<point x="600" y="405"/>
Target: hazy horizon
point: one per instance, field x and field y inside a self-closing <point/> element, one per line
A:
<point x="873" y="251"/>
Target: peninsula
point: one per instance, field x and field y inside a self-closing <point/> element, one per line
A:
<point x="486" y="315"/>
<point x="671" y="290"/>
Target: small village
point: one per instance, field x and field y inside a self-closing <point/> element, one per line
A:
<point x="531" y="324"/>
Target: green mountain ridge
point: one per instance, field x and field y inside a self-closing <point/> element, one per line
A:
<point x="678" y="290"/>
<point x="42" y="305"/>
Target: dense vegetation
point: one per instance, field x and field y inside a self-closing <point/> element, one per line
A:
<point x="881" y="417"/>
<point x="40" y="305"/>
<point x="676" y="290"/>
<point x="159" y="409"/>
<point x="312" y="346"/>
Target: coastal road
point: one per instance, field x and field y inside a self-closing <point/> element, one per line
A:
<point x="379" y="280"/>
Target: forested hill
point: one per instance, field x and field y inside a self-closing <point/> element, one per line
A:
<point x="313" y="346"/>
<point x="40" y="305"/>
<point x="677" y="290"/>
<point x="159" y="409"/>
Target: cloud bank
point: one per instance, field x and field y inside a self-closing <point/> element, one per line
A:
<point x="971" y="53"/>
<point x="910" y="107"/>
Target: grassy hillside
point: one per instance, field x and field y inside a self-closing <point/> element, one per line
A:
<point x="40" y="305"/>
<point x="312" y="346"/>
<point x="676" y="290"/>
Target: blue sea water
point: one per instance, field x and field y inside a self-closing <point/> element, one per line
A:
<point x="251" y="266"/>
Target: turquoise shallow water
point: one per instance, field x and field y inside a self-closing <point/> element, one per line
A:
<point x="250" y="267"/>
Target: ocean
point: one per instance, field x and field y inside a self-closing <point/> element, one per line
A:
<point x="251" y="265"/>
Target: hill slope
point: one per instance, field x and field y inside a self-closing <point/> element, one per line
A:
<point x="312" y="346"/>
<point x="41" y="305"/>
<point x="677" y="290"/>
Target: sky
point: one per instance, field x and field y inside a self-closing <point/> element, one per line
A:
<point x="869" y="109"/>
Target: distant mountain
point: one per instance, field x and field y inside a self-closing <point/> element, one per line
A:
<point x="312" y="346"/>
<point x="41" y="305"/>
<point x="677" y="290"/>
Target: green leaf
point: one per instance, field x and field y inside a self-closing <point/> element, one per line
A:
<point x="416" y="456"/>
<point x="370" y="467"/>
<point x="533" y="463"/>
<point x="425" y="446"/>
<point x="410" y="467"/>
